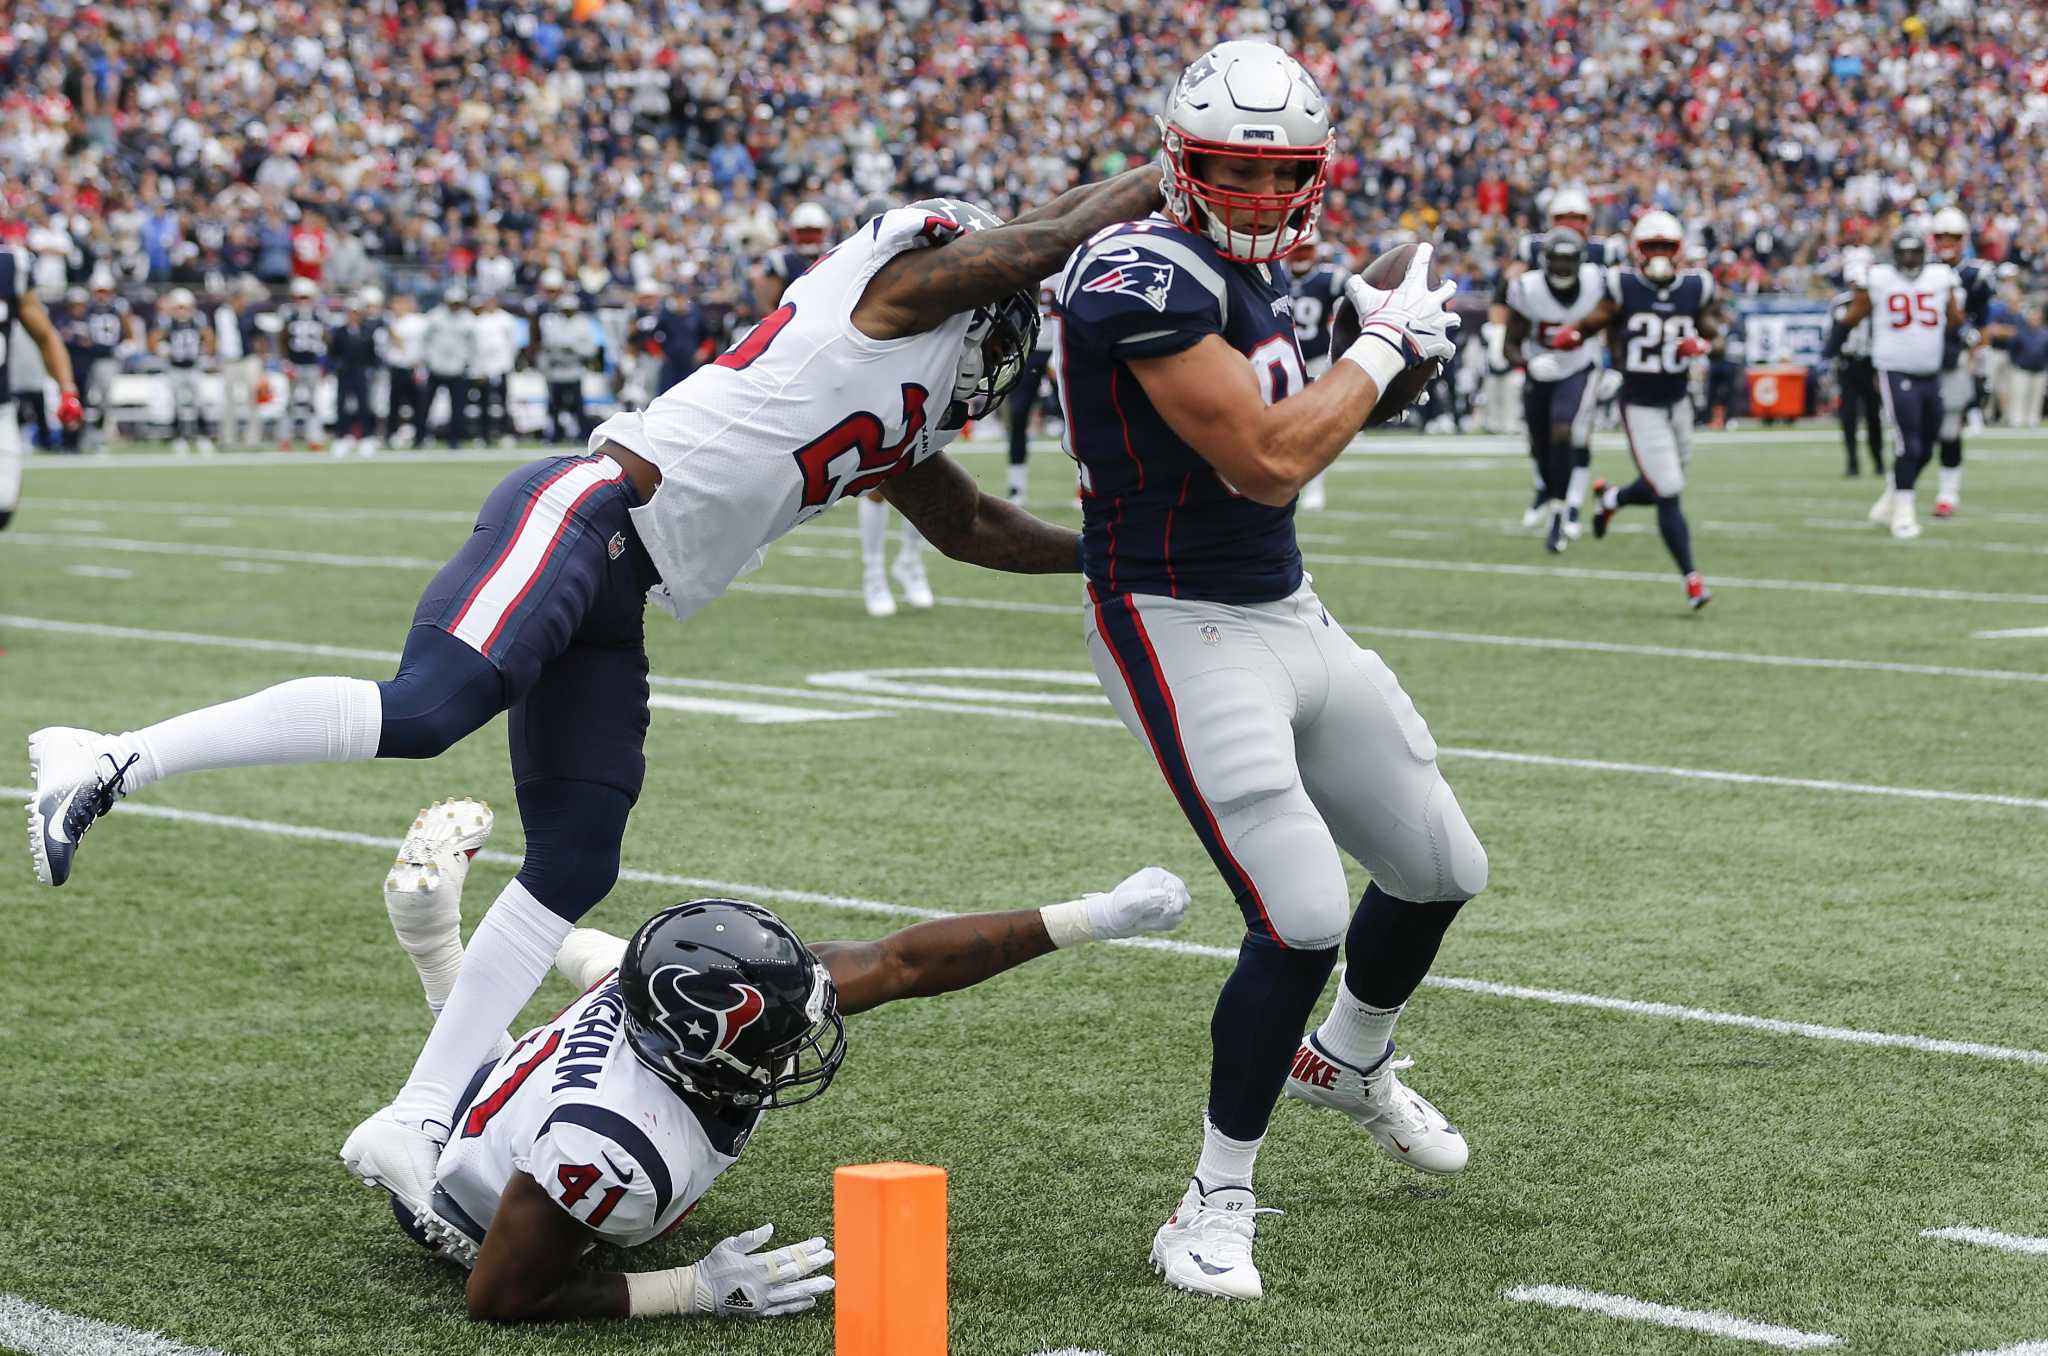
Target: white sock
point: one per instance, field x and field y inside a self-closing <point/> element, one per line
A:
<point x="1226" y="1161"/>
<point x="508" y="956"/>
<point x="1951" y="483"/>
<point x="874" y="533"/>
<point x="1610" y="498"/>
<point x="909" y="544"/>
<point x="307" y="720"/>
<point x="1019" y="477"/>
<point x="1902" y="501"/>
<point x="1575" y="488"/>
<point x="1355" y="1033"/>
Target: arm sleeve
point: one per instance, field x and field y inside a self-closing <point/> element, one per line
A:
<point x="590" y="1174"/>
<point x="1132" y="301"/>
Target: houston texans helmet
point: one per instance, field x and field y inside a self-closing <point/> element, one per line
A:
<point x="1909" y="252"/>
<point x="724" y="1002"/>
<point x="1563" y="254"/>
<point x="1001" y="335"/>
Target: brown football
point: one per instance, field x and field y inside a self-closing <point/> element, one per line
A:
<point x="1384" y="272"/>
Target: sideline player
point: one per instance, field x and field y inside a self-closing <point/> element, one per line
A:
<point x="19" y="303"/>
<point x="865" y="372"/>
<point x="1662" y="319"/>
<point x="1913" y="305"/>
<point x="611" y="1121"/>
<point x="1977" y="284"/>
<point x="1560" y="397"/>
<point x="183" y="343"/>
<point x="1284" y="742"/>
<point x="1857" y="381"/>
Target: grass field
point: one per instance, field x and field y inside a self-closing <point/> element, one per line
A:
<point x="1724" y="1042"/>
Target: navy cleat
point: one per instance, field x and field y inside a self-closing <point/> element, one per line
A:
<point x="74" y="787"/>
<point x="1602" y="515"/>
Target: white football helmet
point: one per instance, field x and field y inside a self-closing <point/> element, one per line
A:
<point x="1951" y="232"/>
<point x="370" y="298"/>
<point x="1571" y="208"/>
<point x="809" y="224"/>
<point x="305" y="288"/>
<point x="179" y="301"/>
<point x="1656" y="241"/>
<point x="1246" y="101"/>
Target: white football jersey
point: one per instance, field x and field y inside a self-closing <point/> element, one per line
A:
<point x="801" y="413"/>
<point x="1530" y="297"/>
<point x="574" y="1108"/>
<point x="1909" y="316"/>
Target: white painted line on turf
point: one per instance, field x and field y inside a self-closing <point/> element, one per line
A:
<point x="80" y="525"/>
<point x="1074" y="1351"/>
<point x="251" y="567"/>
<point x="2016" y="633"/>
<point x="990" y="704"/>
<point x="853" y="903"/>
<point x="99" y="572"/>
<point x="195" y="548"/>
<point x="1991" y="1238"/>
<point x="34" y="1330"/>
<point x="1710" y="1321"/>
<point x="2036" y="1348"/>
<point x="200" y="513"/>
<point x="131" y="461"/>
<point x="757" y="713"/>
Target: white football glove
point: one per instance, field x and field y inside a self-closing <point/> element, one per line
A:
<point x="1545" y="366"/>
<point x="1151" y="900"/>
<point x="734" y="1281"/>
<point x="1610" y="385"/>
<point x="1411" y="317"/>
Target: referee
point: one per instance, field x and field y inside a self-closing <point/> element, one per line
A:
<point x="1858" y="381"/>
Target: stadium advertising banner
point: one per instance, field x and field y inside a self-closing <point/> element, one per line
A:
<point x="1783" y="329"/>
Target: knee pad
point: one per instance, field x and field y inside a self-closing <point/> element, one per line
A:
<point x="1442" y="864"/>
<point x="573" y="833"/>
<point x="443" y="692"/>
<point x="1303" y="897"/>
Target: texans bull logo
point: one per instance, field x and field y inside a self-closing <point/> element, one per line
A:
<point x="704" y="1014"/>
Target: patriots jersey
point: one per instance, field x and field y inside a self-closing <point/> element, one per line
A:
<point x="1649" y="324"/>
<point x="1315" y="301"/>
<point x="574" y="1108"/>
<point x="305" y="335"/>
<point x="1976" y="285"/>
<point x="1156" y="518"/>
<point x="182" y="343"/>
<point x="785" y="264"/>
<point x="106" y="324"/>
<point x="1532" y="297"/>
<point x="10" y="283"/>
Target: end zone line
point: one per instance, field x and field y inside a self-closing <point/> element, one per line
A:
<point x="28" y="1327"/>
<point x="855" y="904"/>
<point x="1710" y="1321"/>
<point x="1990" y="1238"/>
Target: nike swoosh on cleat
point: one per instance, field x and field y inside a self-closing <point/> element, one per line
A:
<point x="1399" y="1145"/>
<point x="53" y="820"/>
<point x="1209" y="1269"/>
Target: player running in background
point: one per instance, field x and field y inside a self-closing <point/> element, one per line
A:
<point x="1195" y="427"/>
<point x="1662" y="319"/>
<point x="1560" y="397"/>
<point x="19" y="304"/>
<point x="1977" y="283"/>
<point x="1314" y="284"/>
<point x="1913" y="304"/>
<point x="611" y="1121"/>
<point x="860" y="378"/>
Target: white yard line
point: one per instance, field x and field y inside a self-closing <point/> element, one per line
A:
<point x="1990" y="1238"/>
<point x="2037" y="1348"/>
<point x="135" y="546"/>
<point x="1676" y="1012"/>
<point x="36" y="1331"/>
<point x="1710" y="1321"/>
<point x="99" y="572"/>
<point x="2016" y="633"/>
<point x="1011" y="712"/>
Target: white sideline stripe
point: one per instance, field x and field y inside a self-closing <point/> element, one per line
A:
<point x="30" y="1328"/>
<point x="757" y="713"/>
<point x="1991" y="1238"/>
<point x="1710" y="1321"/>
<point x="1066" y="718"/>
<point x="2017" y="633"/>
<point x="1074" y="1351"/>
<point x="1487" y="988"/>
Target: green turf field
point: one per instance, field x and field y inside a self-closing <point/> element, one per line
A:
<point x="1724" y="1042"/>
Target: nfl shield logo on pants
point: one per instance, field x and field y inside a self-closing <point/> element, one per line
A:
<point x="616" y="547"/>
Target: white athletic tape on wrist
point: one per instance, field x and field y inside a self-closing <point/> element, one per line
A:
<point x="1380" y="357"/>
<point x="660" y="1294"/>
<point x="1067" y="924"/>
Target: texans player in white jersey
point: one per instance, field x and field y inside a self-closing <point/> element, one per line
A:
<point x="1561" y="394"/>
<point x="1914" y="304"/>
<point x="1314" y="283"/>
<point x="1663" y="319"/>
<point x="1977" y="283"/>
<point x="1195" y="427"/>
<point x="609" y="1122"/>
<point x="866" y="371"/>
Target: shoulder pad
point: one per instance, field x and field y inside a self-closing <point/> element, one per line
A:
<point x="1144" y="293"/>
<point x="603" y="1169"/>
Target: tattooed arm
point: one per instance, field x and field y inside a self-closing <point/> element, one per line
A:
<point x="918" y="289"/>
<point x="933" y="958"/>
<point x="943" y="502"/>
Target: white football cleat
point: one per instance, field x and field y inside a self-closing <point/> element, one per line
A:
<point x="1205" y="1246"/>
<point x="75" y="783"/>
<point x="367" y="447"/>
<point x="908" y="571"/>
<point x="874" y="594"/>
<point x="205" y="446"/>
<point x="386" y="1152"/>
<point x="1536" y="516"/>
<point x="1881" y="511"/>
<point x="448" y="828"/>
<point x="1905" y="522"/>
<point x="1403" y="1122"/>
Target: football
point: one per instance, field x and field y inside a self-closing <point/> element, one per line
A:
<point x="1384" y="272"/>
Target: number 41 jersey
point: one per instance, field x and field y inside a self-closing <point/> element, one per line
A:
<point x="1156" y="517"/>
<point x="1649" y="324"/>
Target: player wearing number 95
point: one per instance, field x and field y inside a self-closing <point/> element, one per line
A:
<point x="876" y="357"/>
<point x="1662" y="319"/>
<point x="609" y="1122"/>
<point x="1283" y="741"/>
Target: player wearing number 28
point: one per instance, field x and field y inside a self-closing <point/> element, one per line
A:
<point x="1285" y="744"/>
<point x="918" y="322"/>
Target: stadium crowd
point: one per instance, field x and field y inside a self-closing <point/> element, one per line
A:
<point x="412" y="146"/>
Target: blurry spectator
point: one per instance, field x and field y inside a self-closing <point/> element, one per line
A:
<point x="568" y="347"/>
<point x="449" y="342"/>
<point x="405" y="411"/>
<point x="354" y="348"/>
<point x="244" y="346"/>
<point x="495" y="351"/>
<point x="2027" y="383"/>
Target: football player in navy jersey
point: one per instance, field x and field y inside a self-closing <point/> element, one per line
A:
<point x="1316" y="283"/>
<point x="1979" y="284"/>
<point x="809" y="224"/>
<point x="1188" y="410"/>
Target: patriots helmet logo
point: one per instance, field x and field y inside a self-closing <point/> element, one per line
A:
<point x="704" y="1014"/>
<point x="1149" y="282"/>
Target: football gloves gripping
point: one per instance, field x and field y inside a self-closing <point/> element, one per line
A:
<point x="1411" y="317"/>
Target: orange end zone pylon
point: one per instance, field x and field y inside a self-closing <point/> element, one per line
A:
<point x="889" y="1247"/>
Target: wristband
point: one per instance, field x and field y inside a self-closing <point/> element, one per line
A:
<point x="1067" y="924"/>
<point x="660" y="1294"/>
<point x="1382" y="361"/>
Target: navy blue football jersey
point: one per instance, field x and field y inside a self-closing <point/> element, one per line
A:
<point x="305" y="335"/>
<point x="183" y="343"/>
<point x="786" y="263"/>
<point x="107" y="323"/>
<point x="1979" y="281"/>
<point x="1156" y="518"/>
<point x="1649" y="324"/>
<point x="1315" y="300"/>
<point x="10" y="281"/>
